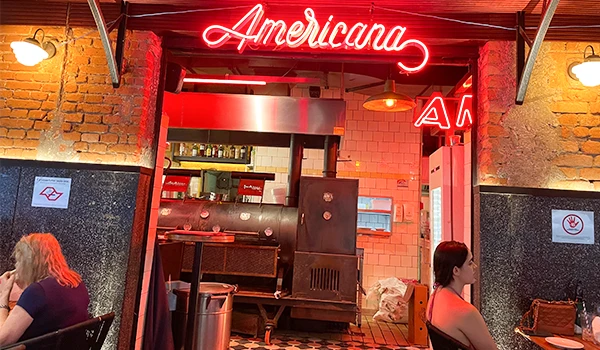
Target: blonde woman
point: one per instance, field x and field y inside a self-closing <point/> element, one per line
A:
<point x="53" y="297"/>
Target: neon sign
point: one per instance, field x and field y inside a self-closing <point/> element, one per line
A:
<point x="464" y="117"/>
<point x="332" y="35"/>
<point x="435" y="112"/>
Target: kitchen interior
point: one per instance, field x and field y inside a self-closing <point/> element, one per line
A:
<point x="290" y="138"/>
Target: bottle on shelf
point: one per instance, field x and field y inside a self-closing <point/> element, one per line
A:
<point x="208" y="151"/>
<point x="195" y="150"/>
<point x="237" y="153"/>
<point x="202" y="150"/>
<point x="182" y="149"/>
<point x="215" y="151"/>
<point x="221" y="151"/>
<point x="231" y="152"/>
<point x="243" y="152"/>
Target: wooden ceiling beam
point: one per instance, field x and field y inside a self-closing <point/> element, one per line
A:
<point x="431" y="75"/>
<point x="27" y="12"/>
<point x="531" y="6"/>
<point x="458" y="54"/>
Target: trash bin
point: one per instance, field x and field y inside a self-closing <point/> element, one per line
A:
<point x="213" y="316"/>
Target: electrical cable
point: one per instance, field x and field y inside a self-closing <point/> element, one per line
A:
<point x="570" y="26"/>
<point x="108" y="24"/>
<point x="445" y="19"/>
<point x="188" y="11"/>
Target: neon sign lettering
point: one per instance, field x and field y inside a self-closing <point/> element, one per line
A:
<point x="435" y="112"/>
<point x="333" y="35"/>
<point x="464" y="112"/>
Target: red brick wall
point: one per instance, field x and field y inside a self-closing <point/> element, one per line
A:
<point x="553" y="139"/>
<point x="65" y="108"/>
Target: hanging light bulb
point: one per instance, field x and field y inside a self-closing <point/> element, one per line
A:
<point x="587" y="72"/>
<point x="389" y="100"/>
<point x="30" y="51"/>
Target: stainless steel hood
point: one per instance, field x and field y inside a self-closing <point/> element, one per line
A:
<point x="256" y="113"/>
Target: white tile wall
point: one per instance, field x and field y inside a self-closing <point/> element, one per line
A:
<point x="382" y="147"/>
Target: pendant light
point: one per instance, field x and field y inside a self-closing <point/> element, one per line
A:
<point x="30" y="51"/>
<point x="389" y="100"/>
<point x="587" y="72"/>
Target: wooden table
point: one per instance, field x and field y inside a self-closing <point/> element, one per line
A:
<point x="198" y="238"/>
<point x="543" y="344"/>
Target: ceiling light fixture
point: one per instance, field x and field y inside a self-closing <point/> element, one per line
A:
<point x="254" y="79"/>
<point x="224" y="81"/>
<point x="588" y="71"/>
<point x="389" y="100"/>
<point x="30" y="51"/>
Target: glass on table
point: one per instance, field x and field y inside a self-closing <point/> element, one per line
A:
<point x="586" y="319"/>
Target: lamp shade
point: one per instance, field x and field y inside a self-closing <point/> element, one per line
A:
<point x="30" y="51"/>
<point x="588" y="72"/>
<point x="389" y="100"/>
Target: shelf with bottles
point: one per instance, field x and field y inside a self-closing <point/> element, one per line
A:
<point x="212" y="153"/>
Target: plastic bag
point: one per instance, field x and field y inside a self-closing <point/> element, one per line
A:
<point x="389" y="294"/>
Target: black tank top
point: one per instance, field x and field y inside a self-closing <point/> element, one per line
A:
<point x="439" y="339"/>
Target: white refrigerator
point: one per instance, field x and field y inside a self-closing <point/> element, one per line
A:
<point x="448" y="197"/>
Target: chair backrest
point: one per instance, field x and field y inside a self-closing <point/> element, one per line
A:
<point x="87" y="335"/>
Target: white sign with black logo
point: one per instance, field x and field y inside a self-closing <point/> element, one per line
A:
<point x="573" y="226"/>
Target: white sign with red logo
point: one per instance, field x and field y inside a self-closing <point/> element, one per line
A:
<point x="573" y="226"/>
<point x="174" y="183"/>
<point x="51" y="192"/>
<point x="248" y="187"/>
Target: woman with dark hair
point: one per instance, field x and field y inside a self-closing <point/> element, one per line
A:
<point x="453" y="323"/>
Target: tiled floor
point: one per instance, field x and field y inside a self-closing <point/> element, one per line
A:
<point x="371" y="335"/>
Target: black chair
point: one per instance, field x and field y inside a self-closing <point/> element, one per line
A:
<point x="442" y="341"/>
<point x="87" y="335"/>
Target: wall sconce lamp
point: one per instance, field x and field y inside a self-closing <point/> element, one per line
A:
<point x="30" y="51"/>
<point x="588" y="71"/>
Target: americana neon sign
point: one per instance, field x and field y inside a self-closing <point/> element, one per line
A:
<point x="435" y="112"/>
<point x="260" y="30"/>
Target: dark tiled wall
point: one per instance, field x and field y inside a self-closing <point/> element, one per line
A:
<point x="101" y="232"/>
<point x="518" y="261"/>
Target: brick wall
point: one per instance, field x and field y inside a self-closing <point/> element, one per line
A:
<point x="553" y="139"/>
<point x="65" y="108"/>
<point x="381" y="148"/>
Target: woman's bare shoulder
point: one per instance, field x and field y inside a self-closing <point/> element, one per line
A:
<point x="464" y="310"/>
<point x="468" y="315"/>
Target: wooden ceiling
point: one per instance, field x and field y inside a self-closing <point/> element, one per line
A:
<point x="494" y="12"/>
<point x="566" y="7"/>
